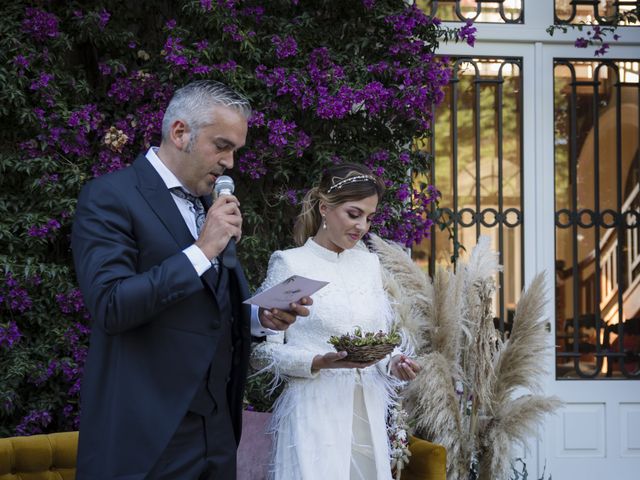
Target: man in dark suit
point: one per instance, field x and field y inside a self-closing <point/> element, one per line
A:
<point x="164" y="378"/>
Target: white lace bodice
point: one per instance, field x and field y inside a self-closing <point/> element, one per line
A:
<point x="354" y="297"/>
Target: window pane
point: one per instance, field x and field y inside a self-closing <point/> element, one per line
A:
<point x="597" y="219"/>
<point x="477" y="157"/>
<point x="591" y="11"/>
<point x="500" y="11"/>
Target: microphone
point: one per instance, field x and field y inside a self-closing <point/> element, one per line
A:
<point x="225" y="186"/>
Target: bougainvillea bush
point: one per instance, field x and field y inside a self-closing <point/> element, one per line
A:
<point x="84" y="87"/>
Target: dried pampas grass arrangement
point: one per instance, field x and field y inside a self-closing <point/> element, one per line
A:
<point x="466" y="395"/>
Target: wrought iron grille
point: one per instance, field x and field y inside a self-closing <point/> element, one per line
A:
<point x="490" y="11"/>
<point x="597" y="219"/>
<point x="476" y="154"/>
<point x="591" y="11"/>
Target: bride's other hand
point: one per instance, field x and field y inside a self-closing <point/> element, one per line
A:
<point x="282" y="319"/>
<point x="404" y="368"/>
<point x="336" y="360"/>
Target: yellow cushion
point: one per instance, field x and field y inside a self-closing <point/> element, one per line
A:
<point x="53" y="457"/>
<point x="39" y="457"/>
<point x="428" y="461"/>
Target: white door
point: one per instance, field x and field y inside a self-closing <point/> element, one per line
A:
<point x="580" y="132"/>
<point x="590" y="143"/>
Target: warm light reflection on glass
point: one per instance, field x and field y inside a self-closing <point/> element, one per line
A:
<point x="500" y="11"/>
<point x="597" y="203"/>
<point x="605" y="10"/>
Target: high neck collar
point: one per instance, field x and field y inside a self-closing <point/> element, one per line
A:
<point x="323" y="252"/>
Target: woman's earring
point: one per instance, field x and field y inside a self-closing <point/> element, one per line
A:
<point x="324" y="222"/>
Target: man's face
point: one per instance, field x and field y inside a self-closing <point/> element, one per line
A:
<point x="204" y="160"/>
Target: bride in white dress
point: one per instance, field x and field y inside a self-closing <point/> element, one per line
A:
<point x="330" y="421"/>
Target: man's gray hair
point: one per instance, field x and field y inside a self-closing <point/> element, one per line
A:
<point x="193" y="103"/>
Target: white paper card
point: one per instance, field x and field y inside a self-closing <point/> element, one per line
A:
<point x="289" y="291"/>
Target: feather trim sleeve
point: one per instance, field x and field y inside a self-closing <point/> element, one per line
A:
<point x="275" y="354"/>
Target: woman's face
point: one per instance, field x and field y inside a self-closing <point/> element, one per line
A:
<point x="346" y="223"/>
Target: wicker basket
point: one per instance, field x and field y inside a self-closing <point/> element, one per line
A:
<point x="366" y="353"/>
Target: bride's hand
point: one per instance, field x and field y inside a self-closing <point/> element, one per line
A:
<point x="404" y="368"/>
<point x="336" y="360"/>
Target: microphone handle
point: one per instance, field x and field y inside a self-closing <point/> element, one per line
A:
<point x="229" y="254"/>
<point x="229" y="258"/>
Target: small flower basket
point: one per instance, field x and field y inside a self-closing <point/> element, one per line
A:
<point x="366" y="347"/>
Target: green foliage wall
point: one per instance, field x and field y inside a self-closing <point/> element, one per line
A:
<point x="84" y="87"/>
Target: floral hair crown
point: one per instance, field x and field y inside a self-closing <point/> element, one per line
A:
<point x="349" y="180"/>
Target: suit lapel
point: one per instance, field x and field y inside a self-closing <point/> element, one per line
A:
<point x="155" y="192"/>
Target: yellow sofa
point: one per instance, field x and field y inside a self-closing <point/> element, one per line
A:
<point x="428" y="461"/>
<point x="39" y="457"/>
<point x="53" y="457"/>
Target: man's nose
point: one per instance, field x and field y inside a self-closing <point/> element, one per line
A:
<point x="227" y="161"/>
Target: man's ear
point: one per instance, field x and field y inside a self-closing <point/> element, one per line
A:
<point x="180" y="134"/>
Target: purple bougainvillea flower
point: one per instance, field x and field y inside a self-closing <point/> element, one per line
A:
<point x="42" y="81"/>
<point x="202" y="45"/>
<point x="103" y="19"/>
<point x="467" y="33"/>
<point x="40" y="25"/>
<point x="602" y="50"/>
<point x="21" y="62"/>
<point x="581" y="43"/>
<point x="9" y="335"/>
<point x="285" y="47"/>
<point x="34" y="422"/>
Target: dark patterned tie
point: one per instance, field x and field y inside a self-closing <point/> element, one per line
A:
<point x="198" y="208"/>
<point x="198" y="212"/>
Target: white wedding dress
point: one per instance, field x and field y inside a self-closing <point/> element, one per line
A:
<point x="329" y="424"/>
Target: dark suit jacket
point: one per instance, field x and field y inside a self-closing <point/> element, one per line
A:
<point x="155" y="323"/>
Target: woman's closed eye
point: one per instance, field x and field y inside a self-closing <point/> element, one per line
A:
<point x="356" y="216"/>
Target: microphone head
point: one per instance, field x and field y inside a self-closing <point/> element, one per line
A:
<point x="224" y="185"/>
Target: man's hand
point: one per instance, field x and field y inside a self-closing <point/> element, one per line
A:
<point x="277" y="319"/>
<point x="336" y="360"/>
<point x="223" y="221"/>
<point x="404" y="368"/>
